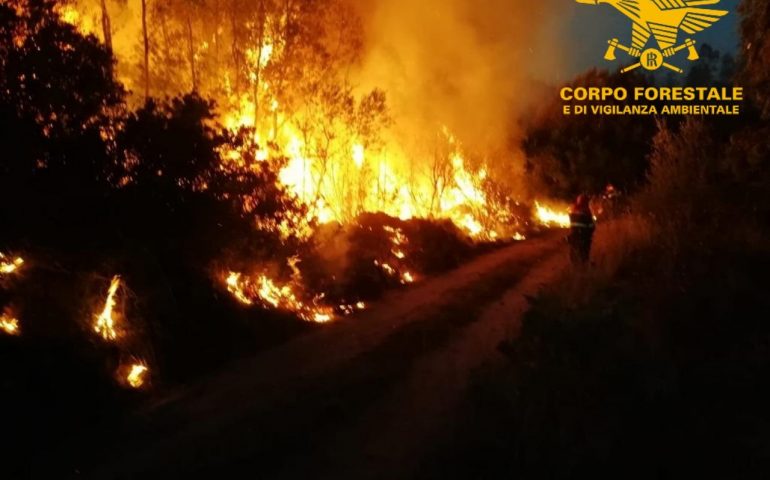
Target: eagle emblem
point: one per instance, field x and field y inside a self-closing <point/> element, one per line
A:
<point x="663" y="20"/>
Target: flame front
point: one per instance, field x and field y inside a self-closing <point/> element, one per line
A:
<point x="337" y="189"/>
<point x="330" y="140"/>
<point x="550" y="217"/>
<point x="236" y="287"/>
<point x="105" y="321"/>
<point x="337" y="164"/>
<point x="274" y="295"/>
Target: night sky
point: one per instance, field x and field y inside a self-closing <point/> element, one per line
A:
<point x="591" y="26"/>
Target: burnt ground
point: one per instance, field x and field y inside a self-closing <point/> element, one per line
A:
<point x="372" y="396"/>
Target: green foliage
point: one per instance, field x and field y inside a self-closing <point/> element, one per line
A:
<point x="713" y="68"/>
<point x="683" y="168"/>
<point x="755" y="76"/>
<point x="55" y="95"/>
<point x="656" y="357"/>
<point x="654" y="371"/>
<point x="572" y="154"/>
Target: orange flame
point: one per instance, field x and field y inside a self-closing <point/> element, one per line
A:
<point x="274" y="295"/>
<point x="381" y="176"/>
<point x="105" y="323"/>
<point x="137" y="374"/>
<point x="9" y="266"/>
<point x="9" y="324"/>
<point x="236" y="287"/>
<point x="550" y="217"/>
<point x="399" y="240"/>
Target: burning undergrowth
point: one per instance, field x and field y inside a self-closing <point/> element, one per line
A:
<point x="217" y="227"/>
<point x="342" y="268"/>
<point x="358" y="261"/>
<point x="348" y="265"/>
<point x="145" y="243"/>
<point x="149" y="240"/>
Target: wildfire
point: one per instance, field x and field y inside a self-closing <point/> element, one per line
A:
<point x="550" y="217"/>
<point x="386" y="268"/>
<point x="236" y="287"/>
<point x="399" y="240"/>
<point x="329" y="161"/>
<point x="137" y="374"/>
<point x="336" y="189"/>
<point x="105" y="322"/>
<point x="69" y="14"/>
<point x="9" y="324"/>
<point x="359" y="155"/>
<point x="8" y="266"/>
<point x="351" y="309"/>
<point x="281" y="297"/>
<point x="332" y="167"/>
<point x="471" y="225"/>
<point x="259" y="57"/>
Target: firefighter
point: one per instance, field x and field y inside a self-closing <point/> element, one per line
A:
<point x="582" y="227"/>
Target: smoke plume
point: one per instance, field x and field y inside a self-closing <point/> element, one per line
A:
<point x="469" y="65"/>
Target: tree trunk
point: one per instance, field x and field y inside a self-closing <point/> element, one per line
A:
<point x="235" y="38"/>
<point x="191" y="53"/>
<point x="106" y="28"/>
<point x="146" y="51"/>
<point x="217" y="20"/>
<point x="286" y="46"/>
<point x="258" y="72"/>
<point x="107" y="32"/>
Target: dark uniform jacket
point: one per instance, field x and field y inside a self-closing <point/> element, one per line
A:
<point x="582" y="220"/>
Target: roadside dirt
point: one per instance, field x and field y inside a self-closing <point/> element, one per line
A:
<point x="366" y="397"/>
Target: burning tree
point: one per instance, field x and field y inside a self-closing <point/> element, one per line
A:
<point x="103" y="190"/>
<point x="273" y="140"/>
<point x="281" y="69"/>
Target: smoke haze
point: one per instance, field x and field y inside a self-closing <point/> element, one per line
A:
<point x="465" y="64"/>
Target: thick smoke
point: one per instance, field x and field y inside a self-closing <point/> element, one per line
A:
<point x="470" y="65"/>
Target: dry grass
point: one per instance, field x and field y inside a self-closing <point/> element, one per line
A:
<point x="614" y="244"/>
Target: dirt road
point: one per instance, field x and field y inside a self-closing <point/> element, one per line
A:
<point x="366" y="397"/>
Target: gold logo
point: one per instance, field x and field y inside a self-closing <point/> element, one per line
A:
<point x="661" y="19"/>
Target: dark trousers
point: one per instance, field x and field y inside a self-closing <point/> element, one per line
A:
<point x="580" y="240"/>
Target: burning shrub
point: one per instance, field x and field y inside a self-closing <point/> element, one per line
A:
<point x="358" y="261"/>
<point x="141" y="195"/>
